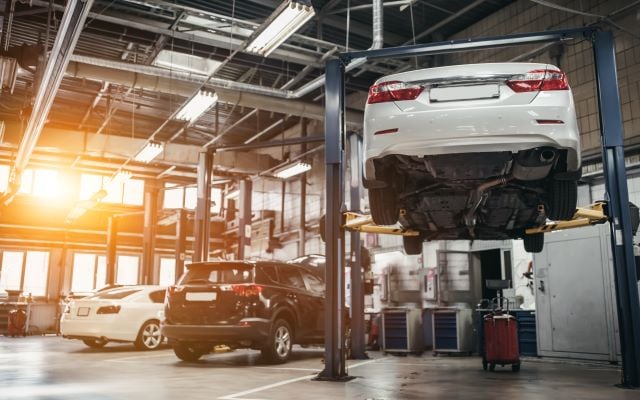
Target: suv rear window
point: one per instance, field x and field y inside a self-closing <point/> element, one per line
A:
<point x="218" y="273"/>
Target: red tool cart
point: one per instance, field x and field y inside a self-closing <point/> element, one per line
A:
<point x="500" y="341"/>
<point x="17" y="323"/>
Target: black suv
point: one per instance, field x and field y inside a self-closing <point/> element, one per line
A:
<point x="259" y="305"/>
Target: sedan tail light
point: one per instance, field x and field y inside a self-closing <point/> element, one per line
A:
<point x="539" y="80"/>
<point x="244" y="290"/>
<point x="393" y="91"/>
<point x="108" y="310"/>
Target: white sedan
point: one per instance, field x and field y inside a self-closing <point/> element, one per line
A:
<point x="477" y="151"/>
<point x="121" y="314"/>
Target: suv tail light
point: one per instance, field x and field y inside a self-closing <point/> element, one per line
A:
<point x="108" y="310"/>
<point x="173" y="289"/>
<point x="539" y="80"/>
<point x="246" y="290"/>
<point x="393" y="91"/>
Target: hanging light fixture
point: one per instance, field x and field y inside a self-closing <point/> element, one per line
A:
<point x="284" y="22"/>
<point x="149" y="152"/>
<point x="292" y="169"/>
<point x="197" y="105"/>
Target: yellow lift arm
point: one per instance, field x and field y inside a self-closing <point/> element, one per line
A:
<point x="592" y="214"/>
<point x="585" y="216"/>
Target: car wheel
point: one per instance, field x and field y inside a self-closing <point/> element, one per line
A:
<point x="412" y="244"/>
<point x="190" y="352"/>
<point x="383" y="205"/>
<point x="95" y="343"/>
<point x="562" y="199"/>
<point x="534" y="243"/>
<point x="149" y="337"/>
<point x="278" y="347"/>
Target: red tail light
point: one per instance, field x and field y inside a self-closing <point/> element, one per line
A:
<point x="108" y="310"/>
<point x="245" y="290"/>
<point x="539" y="80"/>
<point x="393" y="91"/>
<point x="171" y="290"/>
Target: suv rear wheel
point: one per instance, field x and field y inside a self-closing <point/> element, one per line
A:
<point x="384" y="206"/>
<point x="278" y="347"/>
<point x="189" y="351"/>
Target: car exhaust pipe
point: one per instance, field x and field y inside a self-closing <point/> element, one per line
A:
<point x="534" y="164"/>
<point x="547" y="156"/>
<point x="477" y="197"/>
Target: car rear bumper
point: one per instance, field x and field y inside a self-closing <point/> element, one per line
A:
<point x="248" y="330"/>
<point x="472" y="130"/>
<point x="91" y="329"/>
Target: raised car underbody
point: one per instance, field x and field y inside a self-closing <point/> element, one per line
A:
<point x="484" y="196"/>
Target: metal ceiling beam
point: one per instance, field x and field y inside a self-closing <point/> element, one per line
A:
<point x="70" y="27"/>
<point x="186" y="85"/>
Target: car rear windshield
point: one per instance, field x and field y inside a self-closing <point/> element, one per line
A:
<point x="218" y="273"/>
<point x="115" y="294"/>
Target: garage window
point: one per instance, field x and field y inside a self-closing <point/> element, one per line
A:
<point x="127" y="270"/>
<point x="25" y="271"/>
<point x="176" y="196"/>
<point x="89" y="272"/>
<point x="167" y="271"/>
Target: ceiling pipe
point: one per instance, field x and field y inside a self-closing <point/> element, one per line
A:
<point x="218" y="83"/>
<point x="54" y="69"/>
<point x="165" y="81"/>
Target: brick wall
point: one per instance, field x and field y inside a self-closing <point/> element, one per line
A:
<point x="576" y="59"/>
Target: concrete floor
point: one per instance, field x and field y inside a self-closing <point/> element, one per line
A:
<point x="53" y="368"/>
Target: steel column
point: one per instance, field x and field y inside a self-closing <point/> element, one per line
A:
<point x="112" y="238"/>
<point x="149" y="232"/>
<point x="302" y="227"/>
<point x="357" y="286"/>
<point x="181" y="242"/>
<point x="244" y="226"/>
<point x="334" y="355"/>
<point x="619" y="215"/>
<point x="202" y="225"/>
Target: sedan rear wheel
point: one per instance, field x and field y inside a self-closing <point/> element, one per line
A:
<point x="534" y="243"/>
<point x="384" y="206"/>
<point x="563" y="197"/>
<point x="190" y="352"/>
<point x="278" y="347"/>
<point x="95" y="343"/>
<point x="412" y="244"/>
<point x="149" y="337"/>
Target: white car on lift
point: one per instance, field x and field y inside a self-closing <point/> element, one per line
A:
<point x="477" y="151"/>
<point x="120" y="314"/>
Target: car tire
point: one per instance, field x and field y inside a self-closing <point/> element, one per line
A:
<point x="95" y="343"/>
<point x="562" y="199"/>
<point x="149" y="337"/>
<point x="412" y="245"/>
<point x="383" y="205"/>
<point x="278" y="347"/>
<point x="534" y="243"/>
<point x="190" y="352"/>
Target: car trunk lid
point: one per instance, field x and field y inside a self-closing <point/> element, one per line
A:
<point x="212" y="293"/>
<point x="469" y="86"/>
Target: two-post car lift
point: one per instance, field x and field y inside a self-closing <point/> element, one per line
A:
<point x="613" y="165"/>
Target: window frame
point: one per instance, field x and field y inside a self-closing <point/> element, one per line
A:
<point x="23" y="268"/>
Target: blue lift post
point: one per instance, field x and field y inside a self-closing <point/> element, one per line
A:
<point x="613" y="165"/>
<point x="618" y="203"/>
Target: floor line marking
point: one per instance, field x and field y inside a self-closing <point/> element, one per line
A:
<point x="237" y="396"/>
<point x="124" y="359"/>
<point x="291" y="368"/>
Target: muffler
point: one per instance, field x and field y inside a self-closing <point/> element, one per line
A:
<point x="534" y="164"/>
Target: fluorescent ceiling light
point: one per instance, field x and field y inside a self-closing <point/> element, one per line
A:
<point x="284" y="22"/>
<point x="117" y="180"/>
<point x="197" y="105"/>
<point x="185" y="62"/>
<point x="290" y="170"/>
<point x="149" y="152"/>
